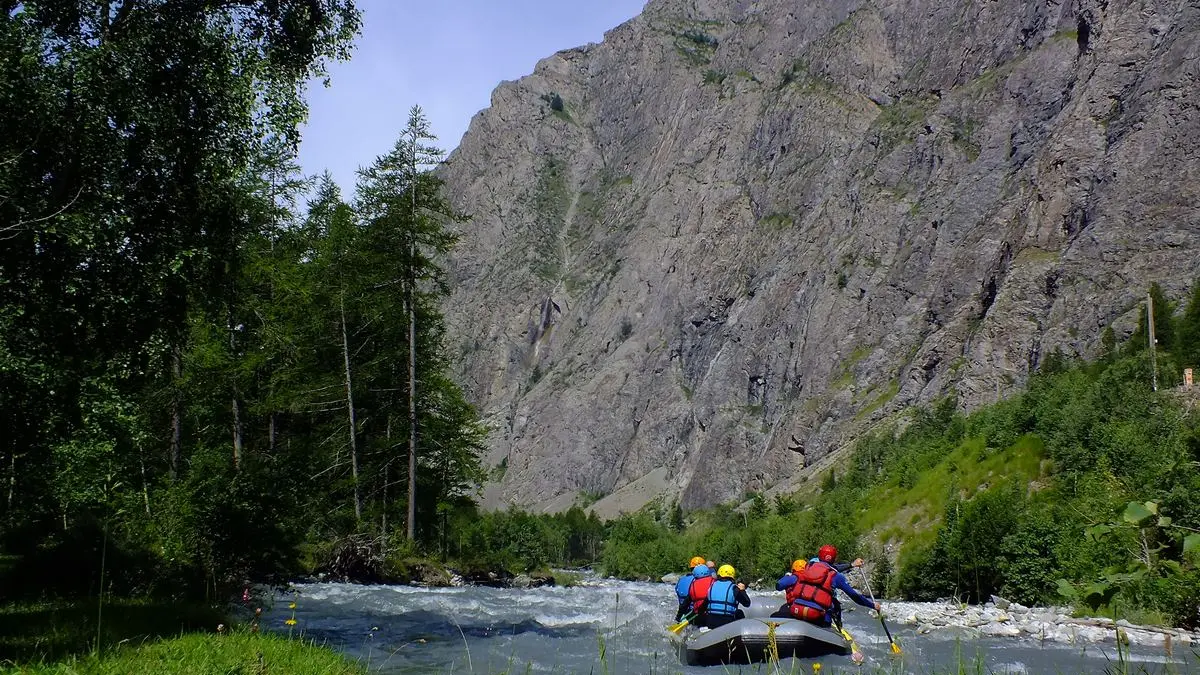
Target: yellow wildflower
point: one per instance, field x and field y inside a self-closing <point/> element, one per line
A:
<point x="290" y="622"/>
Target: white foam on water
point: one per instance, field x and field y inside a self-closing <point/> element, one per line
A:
<point x="559" y="629"/>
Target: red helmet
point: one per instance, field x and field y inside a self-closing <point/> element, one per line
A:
<point x="827" y="554"/>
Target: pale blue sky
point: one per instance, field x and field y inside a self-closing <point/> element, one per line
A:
<point x="445" y="55"/>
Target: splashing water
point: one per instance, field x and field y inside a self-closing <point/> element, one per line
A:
<point x="605" y="626"/>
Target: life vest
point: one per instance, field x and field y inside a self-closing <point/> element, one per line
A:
<point x="813" y="589"/>
<point x="698" y="593"/>
<point x="722" y="598"/>
<point x="793" y="592"/>
<point x="683" y="586"/>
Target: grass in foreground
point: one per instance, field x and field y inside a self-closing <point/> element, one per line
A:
<point x="239" y="653"/>
<point x="48" y="631"/>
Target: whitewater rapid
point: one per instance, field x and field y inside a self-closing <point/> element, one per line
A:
<point x="608" y="626"/>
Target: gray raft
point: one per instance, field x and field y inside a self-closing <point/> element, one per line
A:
<point x="749" y="641"/>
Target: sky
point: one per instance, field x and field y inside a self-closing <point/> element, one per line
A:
<point x="444" y="55"/>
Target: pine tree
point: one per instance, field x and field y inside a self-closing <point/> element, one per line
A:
<point x="1164" y="322"/>
<point x="1189" y="330"/>
<point x="404" y="217"/>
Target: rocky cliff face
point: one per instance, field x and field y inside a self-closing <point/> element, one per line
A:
<point x="734" y="222"/>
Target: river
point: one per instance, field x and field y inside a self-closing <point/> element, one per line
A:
<point x="608" y="626"/>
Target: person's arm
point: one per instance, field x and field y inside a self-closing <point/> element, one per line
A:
<point x="840" y="583"/>
<point x="683" y="609"/>
<point x="742" y="596"/>
<point x="844" y="567"/>
<point x="786" y="582"/>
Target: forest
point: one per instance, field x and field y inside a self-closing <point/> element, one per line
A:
<point x="208" y="361"/>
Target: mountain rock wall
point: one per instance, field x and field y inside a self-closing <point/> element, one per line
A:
<point x="733" y="223"/>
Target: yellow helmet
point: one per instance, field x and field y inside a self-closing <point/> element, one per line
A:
<point x="727" y="571"/>
<point x="696" y="560"/>
<point x="798" y="566"/>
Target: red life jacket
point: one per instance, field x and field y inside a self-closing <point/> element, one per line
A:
<point x="698" y="593"/>
<point x="815" y="585"/>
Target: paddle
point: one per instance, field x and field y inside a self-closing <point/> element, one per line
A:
<point x="867" y="583"/>
<point x="856" y="654"/>
<point x="676" y="628"/>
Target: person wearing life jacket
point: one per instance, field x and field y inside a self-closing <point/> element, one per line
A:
<point x="724" y="596"/>
<point x="698" y="593"/>
<point x="712" y="568"/>
<point x="787" y="583"/>
<point x="684" y="585"/>
<point x="811" y="594"/>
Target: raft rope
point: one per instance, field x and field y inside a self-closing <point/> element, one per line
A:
<point x="772" y="645"/>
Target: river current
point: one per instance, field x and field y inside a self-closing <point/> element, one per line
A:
<point x="609" y="627"/>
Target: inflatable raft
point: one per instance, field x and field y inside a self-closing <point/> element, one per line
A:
<point x="759" y="639"/>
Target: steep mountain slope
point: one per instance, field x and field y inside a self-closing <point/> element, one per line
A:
<point x="736" y="222"/>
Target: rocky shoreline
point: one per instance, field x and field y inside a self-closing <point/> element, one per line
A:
<point x="1051" y="624"/>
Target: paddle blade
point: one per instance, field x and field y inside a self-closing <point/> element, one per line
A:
<point x="676" y="628"/>
<point x="896" y="648"/>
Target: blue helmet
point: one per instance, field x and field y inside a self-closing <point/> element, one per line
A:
<point x="701" y="571"/>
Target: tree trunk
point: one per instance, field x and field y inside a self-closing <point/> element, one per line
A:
<point x="350" y="414"/>
<point x="412" y="417"/>
<point x="386" y="470"/>
<point x="12" y="481"/>
<point x="237" y="430"/>
<point x="176" y="414"/>
<point x="235" y="407"/>
<point x="145" y="485"/>
<point x="412" y="350"/>
<point x="271" y="433"/>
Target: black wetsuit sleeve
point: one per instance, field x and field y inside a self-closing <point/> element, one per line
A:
<point x="683" y="609"/>
<point x="743" y="597"/>
<point x="843" y="567"/>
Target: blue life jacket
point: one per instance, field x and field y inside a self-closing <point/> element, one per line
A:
<point x="683" y="585"/>
<point x="722" y="598"/>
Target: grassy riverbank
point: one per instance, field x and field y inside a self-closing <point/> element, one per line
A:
<point x="207" y="654"/>
<point x="49" y="631"/>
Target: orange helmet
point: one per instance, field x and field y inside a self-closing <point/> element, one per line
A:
<point x="798" y="566"/>
<point x="827" y="554"/>
<point x="696" y="560"/>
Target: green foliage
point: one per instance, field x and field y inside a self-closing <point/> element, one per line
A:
<point x="555" y="101"/>
<point x="1164" y="324"/>
<point x="675" y="521"/>
<point x="147" y="176"/>
<point x="694" y="44"/>
<point x="1189" y="332"/>
<point x="34" y="632"/>
<point x="1085" y="488"/>
<point x="266" y="404"/>
<point x="516" y="540"/>
<point x="829" y="482"/>
<point x="963" y="136"/>
<point x="785" y="505"/>
<point x="777" y="221"/>
<point x="211" y="654"/>
<point x="898" y="122"/>
<point x="758" y="507"/>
